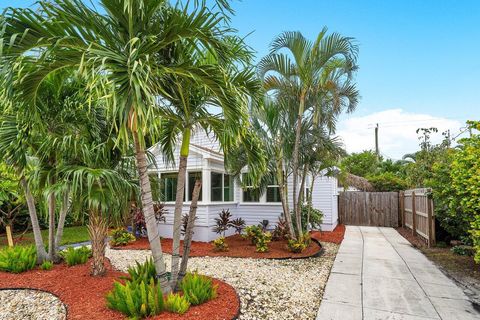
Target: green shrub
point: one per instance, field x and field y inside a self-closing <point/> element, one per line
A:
<point x="387" y="181"/>
<point x="136" y="299"/>
<point x="74" y="256"/>
<point x="262" y="241"/>
<point x="463" y="250"/>
<point x="298" y="245"/>
<point x="18" y="259"/>
<point x="309" y="214"/>
<point x="176" y="303"/>
<point x="252" y="233"/>
<point x="143" y="271"/>
<point x="46" y="265"/>
<point x="220" y="244"/>
<point x="198" y="289"/>
<point x="121" y="237"/>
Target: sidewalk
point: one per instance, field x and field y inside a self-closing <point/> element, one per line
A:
<point x="377" y="274"/>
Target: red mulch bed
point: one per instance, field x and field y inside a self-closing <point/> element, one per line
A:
<point x="335" y="236"/>
<point x="241" y="248"/>
<point x="84" y="295"/>
<point x="238" y="248"/>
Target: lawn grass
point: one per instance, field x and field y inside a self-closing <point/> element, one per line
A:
<point x="70" y="235"/>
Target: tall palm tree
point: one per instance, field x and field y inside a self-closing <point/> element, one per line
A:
<point x="15" y="138"/>
<point x="125" y="53"/>
<point x="299" y="73"/>
<point x="271" y="123"/>
<point x="192" y="105"/>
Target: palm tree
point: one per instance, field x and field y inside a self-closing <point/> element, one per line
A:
<point x="191" y="105"/>
<point x="271" y="123"/>
<point x="103" y="192"/>
<point x="15" y="139"/>
<point x="125" y="53"/>
<point x="298" y="74"/>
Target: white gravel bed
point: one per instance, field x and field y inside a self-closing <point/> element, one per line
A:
<point x="30" y="304"/>
<point x="268" y="289"/>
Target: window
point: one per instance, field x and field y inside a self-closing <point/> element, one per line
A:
<point x="273" y="191"/>
<point x="192" y="177"/>
<point x="250" y="194"/>
<point x="168" y="186"/>
<point x="227" y="187"/>
<point x="221" y="187"/>
<point x="155" y="185"/>
<point x="216" y="189"/>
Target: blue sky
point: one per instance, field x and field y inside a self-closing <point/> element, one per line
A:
<point x="419" y="59"/>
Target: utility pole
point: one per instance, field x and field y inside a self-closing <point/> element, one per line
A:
<point x="376" y="142"/>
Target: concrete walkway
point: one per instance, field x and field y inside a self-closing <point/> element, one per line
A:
<point x="377" y="274"/>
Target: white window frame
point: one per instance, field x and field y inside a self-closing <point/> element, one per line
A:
<point x="266" y="191"/>
<point x="223" y="187"/>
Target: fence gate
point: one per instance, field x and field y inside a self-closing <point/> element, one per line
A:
<point x="417" y="213"/>
<point x="368" y="208"/>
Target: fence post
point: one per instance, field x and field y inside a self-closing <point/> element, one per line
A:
<point x="401" y="208"/>
<point x="431" y="224"/>
<point x="429" y="220"/>
<point x="414" y="215"/>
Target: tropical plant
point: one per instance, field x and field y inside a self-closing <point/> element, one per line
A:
<point x="136" y="299"/>
<point x="298" y="245"/>
<point x="46" y="265"/>
<point x="281" y="230"/>
<point x="223" y="222"/>
<point x="142" y="272"/>
<point x="238" y="224"/>
<point x="121" y="237"/>
<point x="252" y="233"/>
<point x="189" y="108"/>
<point x="127" y="53"/>
<point x="262" y="241"/>
<point x="198" y="289"/>
<point x="17" y="259"/>
<point x="313" y="77"/>
<point x="74" y="256"/>
<point x="220" y="244"/>
<point x="11" y="200"/>
<point x="176" y="303"/>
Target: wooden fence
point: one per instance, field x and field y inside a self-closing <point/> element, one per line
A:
<point x="417" y="214"/>
<point x="368" y="208"/>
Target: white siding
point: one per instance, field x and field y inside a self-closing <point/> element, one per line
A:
<point x="204" y="157"/>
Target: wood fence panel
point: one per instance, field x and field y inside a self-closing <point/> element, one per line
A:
<point x="419" y="213"/>
<point x="368" y="208"/>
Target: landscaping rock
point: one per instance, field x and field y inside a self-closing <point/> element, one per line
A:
<point x="30" y="304"/>
<point x="268" y="289"/>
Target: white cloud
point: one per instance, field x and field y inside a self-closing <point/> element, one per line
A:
<point x="397" y="131"/>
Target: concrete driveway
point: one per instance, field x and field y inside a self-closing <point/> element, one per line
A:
<point x="377" y="274"/>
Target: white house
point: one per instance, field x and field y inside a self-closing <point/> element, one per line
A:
<point x="221" y="191"/>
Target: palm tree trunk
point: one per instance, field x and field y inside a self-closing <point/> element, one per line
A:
<point x="32" y="211"/>
<point x="187" y="240"/>
<point x="302" y="190"/>
<point x="97" y="229"/>
<point x="150" y="221"/>
<point x="8" y="231"/>
<point x="61" y="220"/>
<point x="310" y="198"/>
<point x="177" y="218"/>
<point x="298" y="218"/>
<point x="284" y="198"/>
<point x="51" y="226"/>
